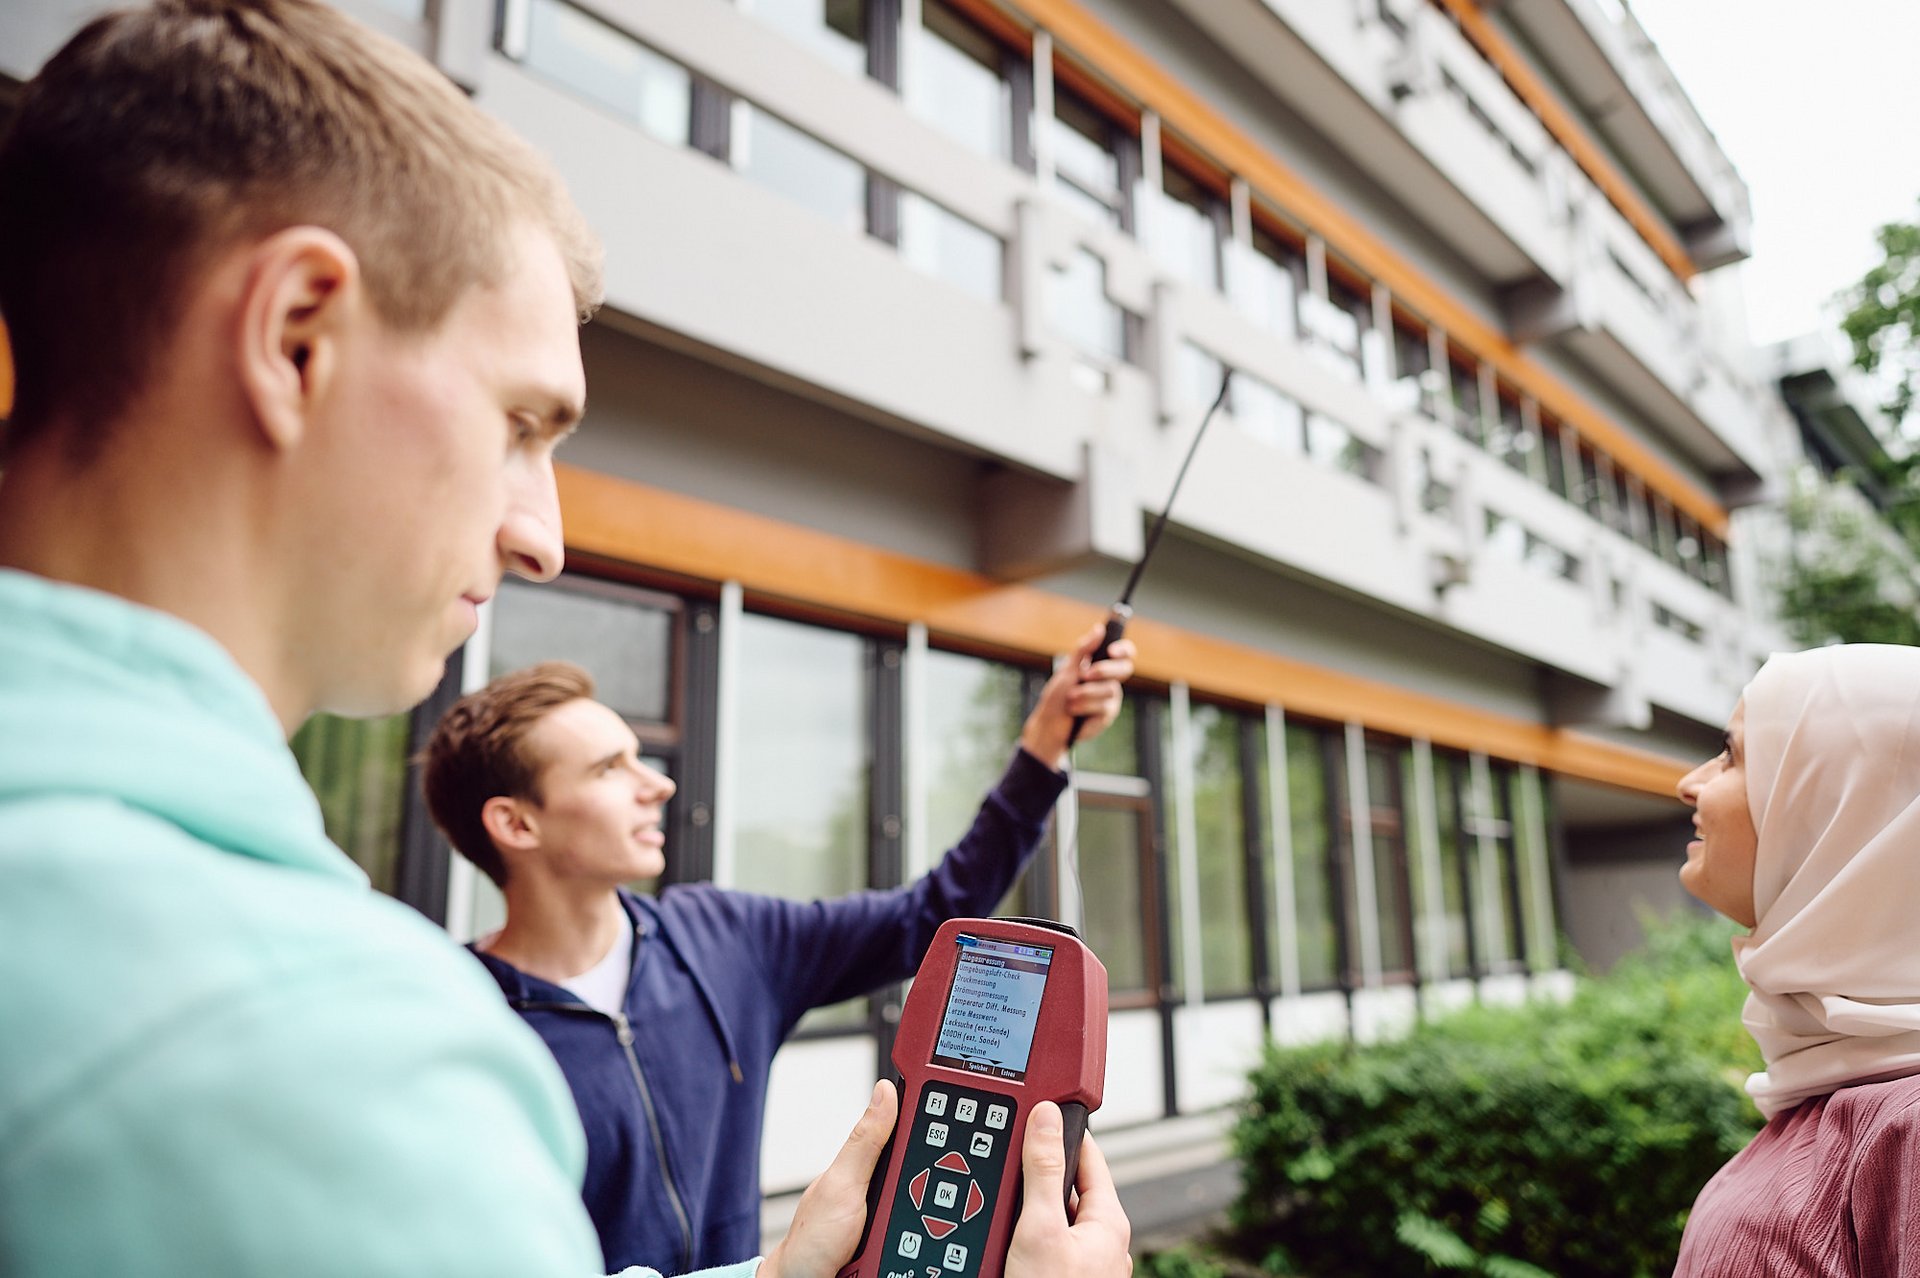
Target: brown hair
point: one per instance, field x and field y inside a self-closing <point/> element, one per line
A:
<point x="159" y="136"/>
<point x="478" y="752"/>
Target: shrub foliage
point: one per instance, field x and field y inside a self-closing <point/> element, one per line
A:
<point x="1560" y="1139"/>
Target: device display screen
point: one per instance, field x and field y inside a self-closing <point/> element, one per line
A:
<point x="993" y="1006"/>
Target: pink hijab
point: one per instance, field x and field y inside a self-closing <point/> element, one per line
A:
<point x="1833" y="780"/>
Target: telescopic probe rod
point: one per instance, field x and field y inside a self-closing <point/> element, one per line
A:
<point x="1123" y="607"/>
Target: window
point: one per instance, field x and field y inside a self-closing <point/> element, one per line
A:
<point x="774" y="154"/>
<point x="1115" y="752"/>
<point x="609" y="67"/>
<point x="958" y="83"/>
<point x="1114" y="842"/>
<point x="1454" y="853"/>
<point x="1412" y="358"/>
<point x="974" y="709"/>
<point x="1197" y="376"/>
<point x="801" y="823"/>
<point x="1509" y="438"/>
<point x="1392" y="888"/>
<point x="358" y="771"/>
<point x="1467" y="405"/>
<point x="948" y="247"/>
<point x="1333" y="331"/>
<point x="1087" y="160"/>
<point x="1557" y="442"/>
<point x="1333" y="445"/>
<point x="1480" y="798"/>
<point x="1079" y="309"/>
<point x="1526" y="800"/>
<point x="1315" y="889"/>
<point x="1270" y="297"/>
<point x="1269" y="416"/>
<point x="1672" y="622"/>
<point x="1512" y="541"/>
<point x="1188" y="224"/>
<point x="1219" y="800"/>
<point x="834" y="29"/>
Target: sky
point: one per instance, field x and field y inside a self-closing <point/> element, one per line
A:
<point x="1817" y="103"/>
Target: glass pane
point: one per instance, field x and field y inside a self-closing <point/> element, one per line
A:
<point x="1391" y="889"/>
<point x="1267" y="415"/>
<point x="1115" y="751"/>
<point x="1086" y="170"/>
<point x="1175" y="874"/>
<point x="1466" y="401"/>
<point x="956" y="85"/>
<point x="1263" y="796"/>
<point x="626" y="645"/>
<point x="1080" y="311"/>
<point x="801" y="820"/>
<point x="1186" y="237"/>
<point x="1198" y="375"/>
<point x="974" y="711"/>
<point x="1313" y="899"/>
<point x="950" y="248"/>
<point x="834" y="29"/>
<point x="1114" y="923"/>
<point x="1272" y="300"/>
<point x="1226" y="941"/>
<point x="1529" y="851"/>
<point x="776" y="155"/>
<point x="1453" y="863"/>
<point x="611" y="68"/>
<point x="358" y="770"/>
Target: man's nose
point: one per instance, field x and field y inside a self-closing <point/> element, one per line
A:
<point x="530" y="538"/>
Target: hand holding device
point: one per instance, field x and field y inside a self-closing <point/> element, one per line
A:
<point x="1005" y="1014"/>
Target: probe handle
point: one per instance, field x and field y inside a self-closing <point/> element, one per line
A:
<point x="1073" y="1120"/>
<point x="1116" y="628"/>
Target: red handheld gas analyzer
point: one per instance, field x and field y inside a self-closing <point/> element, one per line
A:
<point x="1003" y="1014"/>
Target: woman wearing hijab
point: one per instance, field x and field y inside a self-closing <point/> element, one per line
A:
<point x="1809" y="834"/>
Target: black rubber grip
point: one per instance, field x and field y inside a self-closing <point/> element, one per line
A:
<point x="1073" y="1117"/>
<point x="1116" y="630"/>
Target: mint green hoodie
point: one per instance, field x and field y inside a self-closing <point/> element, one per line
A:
<point x="220" y="1051"/>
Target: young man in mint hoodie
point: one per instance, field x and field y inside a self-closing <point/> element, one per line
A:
<point x="294" y="329"/>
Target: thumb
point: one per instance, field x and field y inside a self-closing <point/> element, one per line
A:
<point x="857" y="1157"/>
<point x="1043" y="1164"/>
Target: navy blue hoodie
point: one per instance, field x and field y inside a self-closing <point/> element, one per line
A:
<point x="673" y="1093"/>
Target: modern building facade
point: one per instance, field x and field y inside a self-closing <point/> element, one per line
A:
<point x="914" y="306"/>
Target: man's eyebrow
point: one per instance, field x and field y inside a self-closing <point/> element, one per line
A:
<point x="604" y="760"/>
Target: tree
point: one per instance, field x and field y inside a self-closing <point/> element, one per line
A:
<point x="1850" y="575"/>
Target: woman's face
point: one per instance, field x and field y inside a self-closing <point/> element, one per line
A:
<point x="1719" y="868"/>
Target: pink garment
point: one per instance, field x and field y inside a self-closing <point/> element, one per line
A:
<point x="1828" y="1189"/>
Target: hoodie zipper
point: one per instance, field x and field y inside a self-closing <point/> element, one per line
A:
<point x="624" y="1031"/>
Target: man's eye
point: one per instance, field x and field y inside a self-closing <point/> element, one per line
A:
<point x="521" y="431"/>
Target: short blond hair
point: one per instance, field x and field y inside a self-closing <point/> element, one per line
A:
<point x="159" y="136"/>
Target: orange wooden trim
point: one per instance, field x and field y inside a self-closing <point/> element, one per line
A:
<point x="1073" y="27"/>
<point x="616" y="520"/>
<point x="1566" y="130"/>
<point x="6" y="373"/>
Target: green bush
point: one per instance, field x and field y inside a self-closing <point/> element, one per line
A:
<point x="1565" y="1139"/>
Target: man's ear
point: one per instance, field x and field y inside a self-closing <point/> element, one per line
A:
<point x="511" y="824"/>
<point x="302" y="288"/>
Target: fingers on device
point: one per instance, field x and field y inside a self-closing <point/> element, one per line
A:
<point x="1003" y="1014"/>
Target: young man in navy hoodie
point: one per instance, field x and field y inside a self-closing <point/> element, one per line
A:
<point x="665" y="1013"/>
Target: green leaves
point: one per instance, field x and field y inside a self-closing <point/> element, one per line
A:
<point x="1563" y="1140"/>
